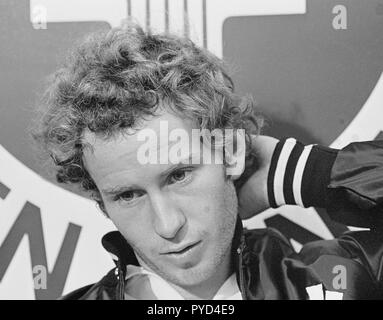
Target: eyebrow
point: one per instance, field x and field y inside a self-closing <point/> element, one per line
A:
<point x="119" y="189"/>
<point x="116" y="190"/>
<point x="183" y="162"/>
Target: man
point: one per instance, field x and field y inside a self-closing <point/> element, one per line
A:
<point x="121" y="122"/>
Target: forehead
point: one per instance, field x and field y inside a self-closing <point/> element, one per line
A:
<point x="113" y="159"/>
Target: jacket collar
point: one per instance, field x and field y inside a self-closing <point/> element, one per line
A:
<point x="119" y="249"/>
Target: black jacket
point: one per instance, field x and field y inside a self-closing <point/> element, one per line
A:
<point x="348" y="183"/>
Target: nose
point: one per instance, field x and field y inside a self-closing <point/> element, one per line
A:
<point x="168" y="218"/>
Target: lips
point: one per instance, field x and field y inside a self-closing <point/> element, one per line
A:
<point x="185" y="256"/>
<point x="182" y="249"/>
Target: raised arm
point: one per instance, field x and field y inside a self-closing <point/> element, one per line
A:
<point x="347" y="182"/>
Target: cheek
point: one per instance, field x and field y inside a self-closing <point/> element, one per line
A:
<point x="133" y="226"/>
<point x="210" y="197"/>
<point x="206" y="209"/>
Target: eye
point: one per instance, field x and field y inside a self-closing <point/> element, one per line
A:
<point x="129" y="196"/>
<point x="180" y="175"/>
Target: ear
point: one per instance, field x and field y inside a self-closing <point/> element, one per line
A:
<point x="235" y="152"/>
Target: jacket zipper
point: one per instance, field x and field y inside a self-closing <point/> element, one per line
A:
<point x="121" y="283"/>
<point x="241" y="281"/>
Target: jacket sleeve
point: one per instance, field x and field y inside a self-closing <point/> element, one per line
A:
<point x="347" y="182"/>
<point x="351" y="264"/>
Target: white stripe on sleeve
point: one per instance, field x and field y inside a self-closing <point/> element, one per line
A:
<point x="300" y="168"/>
<point x="281" y="169"/>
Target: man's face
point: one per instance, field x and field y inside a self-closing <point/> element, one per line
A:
<point x="179" y="218"/>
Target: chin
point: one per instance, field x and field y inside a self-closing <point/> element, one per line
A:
<point x="190" y="277"/>
<point x="206" y="270"/>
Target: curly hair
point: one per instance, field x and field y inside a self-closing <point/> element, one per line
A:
<point x="114" y="79"/>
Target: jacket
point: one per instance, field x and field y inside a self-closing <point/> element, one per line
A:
<point x="347" y="182"/>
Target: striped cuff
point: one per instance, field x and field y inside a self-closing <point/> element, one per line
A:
<point x="299" y="174"/>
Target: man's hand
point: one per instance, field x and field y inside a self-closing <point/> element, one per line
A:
<point x="252" y="196"/>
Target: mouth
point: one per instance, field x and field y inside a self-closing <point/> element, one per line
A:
<point x="182" y="250"/>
